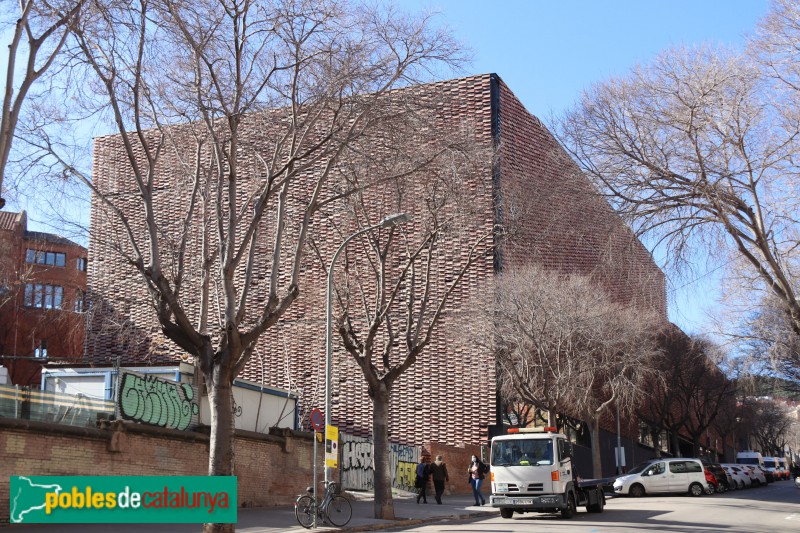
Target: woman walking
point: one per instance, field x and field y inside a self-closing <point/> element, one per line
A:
<point x="477" y="472"/>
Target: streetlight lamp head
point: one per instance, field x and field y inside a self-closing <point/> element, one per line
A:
<point x="394" y="219"/>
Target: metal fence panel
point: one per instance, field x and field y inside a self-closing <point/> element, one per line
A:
<point x="357" y="469"/>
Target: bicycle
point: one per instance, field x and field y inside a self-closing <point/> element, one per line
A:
<point x="335" y="509"/>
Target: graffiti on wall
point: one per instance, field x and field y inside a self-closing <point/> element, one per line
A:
<point x="152" y="400"/>
<point x="357" y="469"/>
<point x="403" y="460"/>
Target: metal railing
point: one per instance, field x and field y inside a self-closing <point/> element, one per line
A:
<point x="56" y="407"/>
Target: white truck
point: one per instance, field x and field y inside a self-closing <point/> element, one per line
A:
<point x="532" y="471"/>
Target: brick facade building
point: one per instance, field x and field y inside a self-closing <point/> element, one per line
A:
<point x="42" y="288"/>
<point x="552" y="216"/>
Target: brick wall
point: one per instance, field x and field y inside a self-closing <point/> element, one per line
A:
<point x="271" y="469"/>
<point x="553" y="216"/>
<point x="556" y="218"/>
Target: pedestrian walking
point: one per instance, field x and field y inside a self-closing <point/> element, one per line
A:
<point x="438" y="471"/>
<point x="421" y="483"/>
<point x="476" y="472"/>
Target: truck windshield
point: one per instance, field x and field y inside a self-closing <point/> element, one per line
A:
<point x="748" y="461"/>
<point x="769" y="463"/>
<point x="522" y="452"/>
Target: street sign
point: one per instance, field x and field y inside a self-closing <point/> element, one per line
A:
<point x="332" y="447"/>
<point x="317" y="420"/>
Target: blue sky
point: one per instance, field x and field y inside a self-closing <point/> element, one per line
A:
<point x="548" y="52"/>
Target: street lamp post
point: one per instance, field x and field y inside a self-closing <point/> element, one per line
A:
<point x="390" y="220"/>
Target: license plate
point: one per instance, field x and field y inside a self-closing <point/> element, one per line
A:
<point x="522" y="501"/>
<point x="549" y="500"/>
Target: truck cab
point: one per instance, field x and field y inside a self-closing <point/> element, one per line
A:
<point x="532" y="471"/>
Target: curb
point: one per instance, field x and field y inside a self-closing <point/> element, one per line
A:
<point x="402" y="522"/>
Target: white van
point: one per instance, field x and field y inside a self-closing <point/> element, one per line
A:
<point x="750" y="458"/>
<point x="663" y="475"/>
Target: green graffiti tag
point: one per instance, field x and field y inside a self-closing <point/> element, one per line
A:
<point x="156" y="401"/>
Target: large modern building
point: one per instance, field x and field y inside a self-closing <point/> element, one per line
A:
<point x="42" y="289"/>
<point x="527" y="184"/>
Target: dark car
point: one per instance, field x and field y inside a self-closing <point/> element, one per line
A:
<point x="724" y="481"/>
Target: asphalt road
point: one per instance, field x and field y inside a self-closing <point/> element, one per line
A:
<point x="771" y="509"/>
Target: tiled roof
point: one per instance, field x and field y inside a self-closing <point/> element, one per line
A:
<point x="48" y="237"/>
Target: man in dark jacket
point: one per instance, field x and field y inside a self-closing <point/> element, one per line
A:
<point x="438" y="471"/>
<point x="421" y="482"/>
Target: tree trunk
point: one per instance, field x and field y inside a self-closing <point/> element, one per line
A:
<point x="676" y="446"/>
<point x="597" y="463"/>
<point x="220" y="453"/>
<point x="384" y="506"/>
<point x="656" y="435"/>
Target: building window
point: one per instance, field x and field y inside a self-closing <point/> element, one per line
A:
<point x="80" y="264"/>
<point x="45" y="258"/>
<point x="79" y="301"/>
<point x="44" y="296"/>
<point x="40" y="352"/>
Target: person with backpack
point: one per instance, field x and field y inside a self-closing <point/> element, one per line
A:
<point x="477" y="473"/>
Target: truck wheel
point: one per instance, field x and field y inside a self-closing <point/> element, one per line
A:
<point x="506" y="513"/>
<point x="597" y="507"/>
<point x="696" y="489"/>
<point x="636" y="491"/>
<point x="569" y="510"/>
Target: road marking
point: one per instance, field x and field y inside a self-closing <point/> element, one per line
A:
<point x="793" y="517"/>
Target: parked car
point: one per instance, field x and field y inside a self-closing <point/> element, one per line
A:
<point x="712" y="485"/>
<point x="740" y="478"/>
<point x="663" y="475"/>
<point x="724" y="480"/>
<point x="757" y="474"/>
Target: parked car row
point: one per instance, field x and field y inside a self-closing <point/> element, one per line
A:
<point x="686" y="475"/>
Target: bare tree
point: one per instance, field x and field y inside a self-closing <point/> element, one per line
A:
<point x="771" y="426"/>
<point x="565" y="346"/>
<point x="692" y="392"/>
<point x="41" y="29"/>
<point x="768" y="342"/>
<point x="660" y="407"/>
<point x="695" y="149"/>
<point x="401" y="284"/>
<point x="232" y="118"/>
<point x="711" y="391"/>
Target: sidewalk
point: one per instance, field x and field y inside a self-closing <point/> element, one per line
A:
<point x="273" y="519"/>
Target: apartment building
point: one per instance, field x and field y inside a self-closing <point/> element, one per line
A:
<point x="42" y="297"/>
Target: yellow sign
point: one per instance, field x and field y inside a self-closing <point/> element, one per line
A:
<point x="332" y="446"/>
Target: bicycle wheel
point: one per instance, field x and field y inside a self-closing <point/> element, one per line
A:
<point x="304" y="511"/>
<point x="339" y="511"/>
